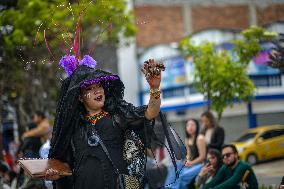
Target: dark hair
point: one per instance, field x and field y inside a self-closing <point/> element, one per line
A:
<point x="233" y="147"/>
<point x="113" y="95"/>
<point x="217" y="154"/>
<point x="12" y="175"/>
<point x="31" y="126"/>
<point x="210" y="117"/>
<point x="196" y="132"/>
<point x="3" y="168"/>
<point x="40" y="114"/>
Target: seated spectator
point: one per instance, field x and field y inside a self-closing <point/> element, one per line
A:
<point x="41" y="130"/>
<point x="196" y="153"/>
<point x="30" y="145"/>
<point x="4" y="169"/>
<point x="233" y="173"/>
<point x="10" y="180"/>
<point x="214" y="134"/>
<point x="210" y="169"/>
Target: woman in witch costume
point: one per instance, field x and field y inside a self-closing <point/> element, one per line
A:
<point x="92" y="121"/>
<point x="91" y="100"/>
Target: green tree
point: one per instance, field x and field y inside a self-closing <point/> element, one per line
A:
<point x="28" y="76"/>
<point x="220" y="77"/>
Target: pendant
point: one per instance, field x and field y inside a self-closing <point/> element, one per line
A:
<point x="94" y="140"/>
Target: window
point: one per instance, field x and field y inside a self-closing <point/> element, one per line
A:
<point x="277" y="133"/>
<point x="246" y="137"/>
<point x="272" y="134"/>
<point x="267" y="135"/>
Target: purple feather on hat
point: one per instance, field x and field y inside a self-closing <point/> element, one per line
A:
<point x="88" y="61"/>
<point x="68" y="63"/>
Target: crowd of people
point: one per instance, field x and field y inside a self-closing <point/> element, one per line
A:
<point x="208" y="164"/>
<point x="89" y="128"/>
<point x="35" y="144"/>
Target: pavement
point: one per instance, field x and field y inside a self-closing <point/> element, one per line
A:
<point x="270" y="173"/>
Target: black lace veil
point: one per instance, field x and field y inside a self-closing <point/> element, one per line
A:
<point x="69" y="111"/>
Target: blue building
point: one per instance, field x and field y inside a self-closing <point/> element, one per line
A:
<point x="181" y="101"/>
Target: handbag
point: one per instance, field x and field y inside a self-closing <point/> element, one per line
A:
<point x="124" y="181"/>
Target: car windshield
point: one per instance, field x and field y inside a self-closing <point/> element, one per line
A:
<point x="246" y="137"/>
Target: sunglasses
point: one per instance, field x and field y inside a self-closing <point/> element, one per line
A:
<point x="227" y="155"/>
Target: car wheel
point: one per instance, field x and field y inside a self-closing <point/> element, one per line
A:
<point x="252" y="159"/>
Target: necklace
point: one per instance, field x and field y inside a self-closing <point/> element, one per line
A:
<point x="93" y="119"/>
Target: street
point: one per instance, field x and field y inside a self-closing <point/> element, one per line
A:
<point x="270" y="173"/>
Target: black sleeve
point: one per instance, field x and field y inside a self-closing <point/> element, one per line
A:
<point x="66" y="182"/>
<point x="218" y="138"/>
<point x="133" y="116"/>
<point x="63" y="183"/>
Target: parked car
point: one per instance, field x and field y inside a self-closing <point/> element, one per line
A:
<point x="261" y="143"/>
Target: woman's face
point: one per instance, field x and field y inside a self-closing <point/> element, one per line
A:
<point x="205" y="122"/>
<point x="212" y="159"/>
<point x="191" y="127"/>
<point x="93" y="98"/>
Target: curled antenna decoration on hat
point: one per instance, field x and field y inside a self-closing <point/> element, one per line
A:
<point x="72" y="58"/>
<point x="70" y="62"/>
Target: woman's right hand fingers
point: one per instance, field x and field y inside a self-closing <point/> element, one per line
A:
<point x="52" y="174"/>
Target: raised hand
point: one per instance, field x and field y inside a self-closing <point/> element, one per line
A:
<point x="152" y="71"/>
<point x="205" y="169"/>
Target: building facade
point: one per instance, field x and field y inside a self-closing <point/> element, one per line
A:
<point x="163" y="23"/>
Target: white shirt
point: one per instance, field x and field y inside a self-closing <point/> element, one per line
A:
<point x="44" y="149"/>
<point x="208" y="135"/>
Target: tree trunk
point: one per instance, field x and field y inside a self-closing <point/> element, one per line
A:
<point x="208" y="100"/>
<point x="22" y="117"/>
<point x="219" y="116"/>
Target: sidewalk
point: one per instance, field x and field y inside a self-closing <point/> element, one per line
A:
<point x="270" y="173"/>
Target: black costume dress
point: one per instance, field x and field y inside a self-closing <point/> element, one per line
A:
<point x="94" y="169"/>
<point x="91" y="167"/>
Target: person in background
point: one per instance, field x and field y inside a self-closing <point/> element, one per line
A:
<point x="30" y="145"/>
<point x="214" y="134"/>
<point x="41" y="130"/>
<point x="10" y="180"/>
<point x="43" y="152"/>
<point x="210" y="169"/>
<point x="234" y="173"/>
<point x="196" y="153"/>
<point x="4" y="169"/>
